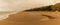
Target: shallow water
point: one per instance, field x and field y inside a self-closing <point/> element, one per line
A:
<point x="4" y="14"/>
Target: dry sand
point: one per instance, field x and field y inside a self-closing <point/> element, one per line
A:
<point x="32" y="18"/>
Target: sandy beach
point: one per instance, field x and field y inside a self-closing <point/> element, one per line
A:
<point x="32" y="18"/>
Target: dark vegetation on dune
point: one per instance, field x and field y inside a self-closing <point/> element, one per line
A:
<point x="45" y="8"/>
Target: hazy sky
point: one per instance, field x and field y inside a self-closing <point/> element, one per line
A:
<point x="12" y="5"/>
<point x="20" y="5"/>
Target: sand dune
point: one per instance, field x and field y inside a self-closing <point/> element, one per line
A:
<point x="32" y="18"/>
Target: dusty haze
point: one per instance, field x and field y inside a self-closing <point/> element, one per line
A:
<point x="20" y="5"/>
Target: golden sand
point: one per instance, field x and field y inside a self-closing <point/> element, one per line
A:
<point x="31" y="18"/>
